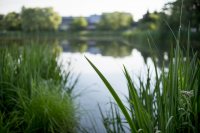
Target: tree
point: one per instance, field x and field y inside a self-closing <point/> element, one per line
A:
<point x="149" y="21"/>
<point x="115" y="21"/>
<point x="1" y="22"/>
<point x="12" y="21"/>
<point x="79" y="23"/>
<point x="190" y="14"/>
<point x="40" y="19"/>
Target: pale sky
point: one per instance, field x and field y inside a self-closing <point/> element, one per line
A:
<point x="86" y="7"/>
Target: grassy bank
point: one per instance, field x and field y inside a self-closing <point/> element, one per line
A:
<point x="33" y="92"/>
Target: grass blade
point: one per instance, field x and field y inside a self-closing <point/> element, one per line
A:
<point x="115" y="96"/>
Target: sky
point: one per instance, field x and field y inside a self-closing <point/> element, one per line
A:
<point x="86" y="7"/>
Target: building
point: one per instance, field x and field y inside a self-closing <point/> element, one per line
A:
<point x="65" y="24"/>
<point x="92" y="22"/>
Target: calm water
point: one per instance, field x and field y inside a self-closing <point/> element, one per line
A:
<point x="109" y="57"/>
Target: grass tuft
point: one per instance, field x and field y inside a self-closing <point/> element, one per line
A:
<point x="35" y="93"/>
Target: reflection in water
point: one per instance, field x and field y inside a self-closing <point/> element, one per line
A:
<point x="93" y="90"/>
<point x="106" y="48"/>
<point x="115" y="48"/>
<point x="108" y="56"/>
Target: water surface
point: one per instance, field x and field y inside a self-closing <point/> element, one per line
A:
<point x="109" y="58"/>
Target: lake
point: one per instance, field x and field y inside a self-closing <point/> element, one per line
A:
<point x="109" y="57"/>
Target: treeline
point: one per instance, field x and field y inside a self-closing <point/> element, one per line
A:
<point x="162" y="27"/>
<point x="173" y="14"/>
<point x="170" y="16"/>
<point x="31" y="19"/>
<point x="153" y="21"/>
<point x="108" y="21"/>
<point x="46" y="19"/>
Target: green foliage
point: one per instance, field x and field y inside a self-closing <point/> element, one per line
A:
<point x="116" y="97"/>
<point x="1" y="22"/>
<point x="35" y="93"/>
<point x="190" y="13"/>
<point x="79" y="23"/>
<point x="40" y="19"/>
<point x="112" y="120"/>
<point x="180" y="13"/>
<point x="150" y="17"/>
<point x="115" y="21"/>
<point x="48" y="111"/>
<point x="149" y="21"/>
<point x="12" y="21"/>
<point x="171" y="105"/>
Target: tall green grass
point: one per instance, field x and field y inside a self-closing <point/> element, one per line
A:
<point x="33" y="92"/>
<point x="171" y="105"/>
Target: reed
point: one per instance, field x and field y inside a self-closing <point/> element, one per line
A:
<point x="171" y="105"/>
<point x="35" y="93"/>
